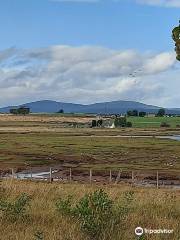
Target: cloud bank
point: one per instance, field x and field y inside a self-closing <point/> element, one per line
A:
<point x="85" y="74"/>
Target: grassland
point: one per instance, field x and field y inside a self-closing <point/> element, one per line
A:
<point x="18" y="150"/>
<point x="150" y="208"/>
<point x="153" y="122"/>
<point x="39" y="140"/>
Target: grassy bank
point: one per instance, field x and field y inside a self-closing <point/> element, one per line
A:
<point x="149" y="208"/>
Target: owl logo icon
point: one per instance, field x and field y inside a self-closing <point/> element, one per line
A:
<point x="139" y="231"/>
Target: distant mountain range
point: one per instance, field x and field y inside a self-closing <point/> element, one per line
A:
<point x="114" y="107"/>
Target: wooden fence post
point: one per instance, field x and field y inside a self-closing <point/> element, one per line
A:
<point x="90" y="176"/>
<point x="110" y="176"/>
<point x="118" y="177"/>
<point x="12" y="172"/>
<point x="132" y="177"/>
<point x="157" y="177"/>
<point x="70" y="174"/>
<point x="50" y="175"/>
<point x="31" y="173"/>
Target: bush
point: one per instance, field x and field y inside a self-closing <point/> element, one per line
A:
<point x="133" y="113"/>
<point x="20" y="110"/>
<point x="142" y="114"/>
<point x="99" y="122"/>
<point x="94" y="211"/>
<point x="120" y="122"/>
<point x="64" y="206"/>
<point x="164" y="124"/>
<point x="97" y="213"/>
<point x="129" y="124"/>
<point x="161" y="112"/>
<point x="60" y="111"/>
<point x="15" y="210"/>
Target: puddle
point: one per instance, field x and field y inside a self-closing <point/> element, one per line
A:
<point x="40" y="175"/>
<point x="175" y="137"/>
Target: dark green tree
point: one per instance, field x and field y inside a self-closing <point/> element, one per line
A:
<point x="120" y="122"/>
<point x="142" y="114"/>
<point x="61" y="111"/>
<point x="161" y="112"/>
<point x="132" y="113"/>
<point x="23" y="110"/>
<point x="13" y="111"/>
<point x="20" y="110"/>
<point x="99" y="123"/>
<point x="129" y="124"/>
<point x="129" y="113"/>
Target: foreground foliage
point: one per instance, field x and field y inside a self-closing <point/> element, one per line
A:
<point x="96" y="212"/>
<point x="83" y="211"/>
<point x="15" y="210"/>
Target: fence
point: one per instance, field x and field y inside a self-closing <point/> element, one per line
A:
<point x="135" y="177"/>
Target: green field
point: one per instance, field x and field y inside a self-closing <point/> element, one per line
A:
<point x="153" y="122"/>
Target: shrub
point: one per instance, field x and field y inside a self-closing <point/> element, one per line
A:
<point x="15" y="210"/>
<point x="132" y="113"/>
<point x="21" y="110"/>
<point x="96" y="212"/>
<point x="65" y="206"/>
<point x="60" y="111"/>
<point x="120" y="122"/>
<point x="142" y="114"/>
<point x="161" y="112"/>
<point x="129" y="124"/>
<point x="99" y="122"/>
<point x="164" y="124"/>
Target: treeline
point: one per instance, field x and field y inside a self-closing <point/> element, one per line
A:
<point x="135" y="113"/>
<point x="20" y="111"/>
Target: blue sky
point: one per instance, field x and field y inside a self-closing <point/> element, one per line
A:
<point x="47" y="46"/>
<point x="121" y="25"/>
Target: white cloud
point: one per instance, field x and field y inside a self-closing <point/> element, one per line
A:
<point x="85" y="74"/>
<point x="159" y="63"/>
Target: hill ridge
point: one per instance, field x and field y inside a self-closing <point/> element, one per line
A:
<point x="109" y="107"/>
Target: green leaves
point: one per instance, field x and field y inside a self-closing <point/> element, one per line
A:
<point x="96" y="212"/>
<point x="15" y="210"/>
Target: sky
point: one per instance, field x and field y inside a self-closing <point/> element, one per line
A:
<point x="87" y="51"/>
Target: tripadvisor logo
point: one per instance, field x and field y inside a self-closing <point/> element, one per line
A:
<point x="139" y="231"/>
